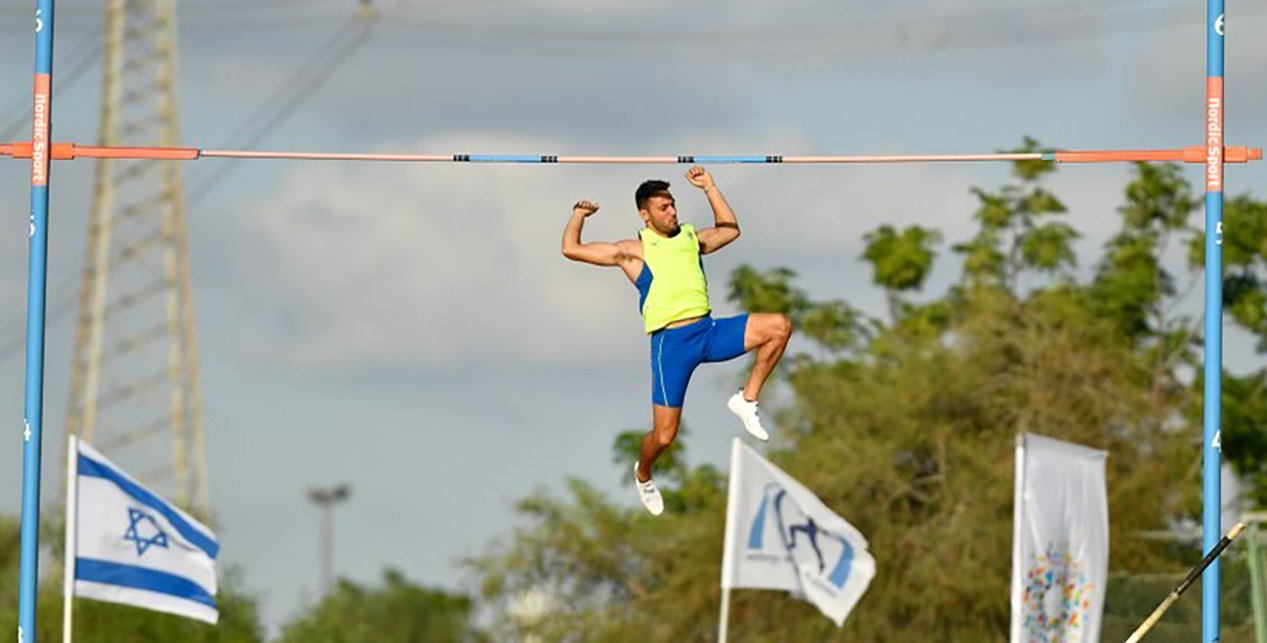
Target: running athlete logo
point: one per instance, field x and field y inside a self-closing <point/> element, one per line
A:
<point x="39" y="20"/>
<point x="809" y="545"/>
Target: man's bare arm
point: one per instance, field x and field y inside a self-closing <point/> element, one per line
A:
<point x="725" y="225"/>
<point x="598" y="253"/>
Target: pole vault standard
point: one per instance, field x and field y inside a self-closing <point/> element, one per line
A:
<point x="40" y="152"/>
<point x="41" y="130"/>
<point x="70" y="151"/>
<point x="1211" y="493"/>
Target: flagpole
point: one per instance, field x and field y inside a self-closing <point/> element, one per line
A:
<point x="728" y="545"/>
<point x="72" y="539"/>
<point x="1018" y="532"/>
<point x="725" y="615"/>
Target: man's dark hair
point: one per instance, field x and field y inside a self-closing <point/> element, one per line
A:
<point x="649" y="189"/>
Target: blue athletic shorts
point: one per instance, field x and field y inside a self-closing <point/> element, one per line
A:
<point x="675" y="352"/>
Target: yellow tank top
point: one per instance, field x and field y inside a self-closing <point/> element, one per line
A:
<point x="672" y="283"/>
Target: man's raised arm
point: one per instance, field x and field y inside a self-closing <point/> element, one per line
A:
<point x="725" y="225"/>
<point x="597" y="253"/>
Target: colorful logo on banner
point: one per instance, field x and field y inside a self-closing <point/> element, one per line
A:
<point x="1057" y="596"/>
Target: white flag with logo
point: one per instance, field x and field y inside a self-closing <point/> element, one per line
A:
<point x="1060" y="547"/>
<point x="779" y="535"/>
<point x="130" y="546"/>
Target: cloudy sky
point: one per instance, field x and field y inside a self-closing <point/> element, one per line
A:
<point x="413" y="330"/>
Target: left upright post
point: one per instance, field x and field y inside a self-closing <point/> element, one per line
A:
<point x="37" y="279"/>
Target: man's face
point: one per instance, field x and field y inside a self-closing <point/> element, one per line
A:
<point x="661" y="214"/>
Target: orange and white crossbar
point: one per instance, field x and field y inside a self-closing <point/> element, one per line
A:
<point x="71" y="151"/>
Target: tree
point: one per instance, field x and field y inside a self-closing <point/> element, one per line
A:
<point x="901" y="261"/>
<point x="397" y="611"/>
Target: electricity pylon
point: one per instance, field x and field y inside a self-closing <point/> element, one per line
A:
<point x="134" y="390"/>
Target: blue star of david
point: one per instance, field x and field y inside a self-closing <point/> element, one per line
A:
<point x="135" y="519"/>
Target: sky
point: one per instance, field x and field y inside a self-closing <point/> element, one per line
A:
<point x="413" y="330"/>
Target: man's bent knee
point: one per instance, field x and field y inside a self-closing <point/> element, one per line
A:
<point x="777" y="329"/>
<point x="665" y="438"/>
<point x="783" y="327"/>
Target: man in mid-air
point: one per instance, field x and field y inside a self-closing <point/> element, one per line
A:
<point x="665" y="264"/>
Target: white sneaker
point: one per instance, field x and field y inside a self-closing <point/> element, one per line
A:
<point x="648" y="494"/>
<point x="747" y="411"/>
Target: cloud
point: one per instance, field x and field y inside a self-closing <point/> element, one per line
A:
<point x="400" y="263"/>
<point x="1168" y="72"/>
<point x="572" y="8"/>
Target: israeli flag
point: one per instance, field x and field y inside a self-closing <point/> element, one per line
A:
<point x="130" y="546"/>
<point x="780" y="536"/>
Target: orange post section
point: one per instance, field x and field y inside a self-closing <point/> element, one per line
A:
<point x="70" y="152"/>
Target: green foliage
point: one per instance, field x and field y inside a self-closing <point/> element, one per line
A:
<point x="907" y="428"/>
<point x="767" y="292"/>
<point x="834" y="325"/>
<point x="1015" y="233"/>
<point x="1244" y="261"/>
<point x="1158" y="199"/>
<point x="1244" y="403"/>
<point x="397" y="611"/>
<point x="901" y="261"/>
<point x="1049" y="247"/>
<point x="1131" y="285"/>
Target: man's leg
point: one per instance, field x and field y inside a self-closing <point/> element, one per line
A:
<point x="768" y="333"/>
<point x="659" y="438"/>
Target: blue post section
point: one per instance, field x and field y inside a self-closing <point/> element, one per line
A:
<point x="36" y="286"/>
<point x="1214" y="140"/>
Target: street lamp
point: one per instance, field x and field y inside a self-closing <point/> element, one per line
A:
<point x="326" y="499"/>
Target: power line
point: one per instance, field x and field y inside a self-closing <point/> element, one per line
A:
<point x="217" y="7"/>
<point x="275" y="23"/>
<point x="948" y="32"/>
<point x="287" y="99"/>
<point x="80" y="62"/>
<point x="790" y="35"/>
<point x="275" y="110"/>
<point x="239" y="18"/>
<point x="63" y="294"/>
<point x="63" y="303"/>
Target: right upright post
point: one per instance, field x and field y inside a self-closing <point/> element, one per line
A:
<point x="1211" y="494"/>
